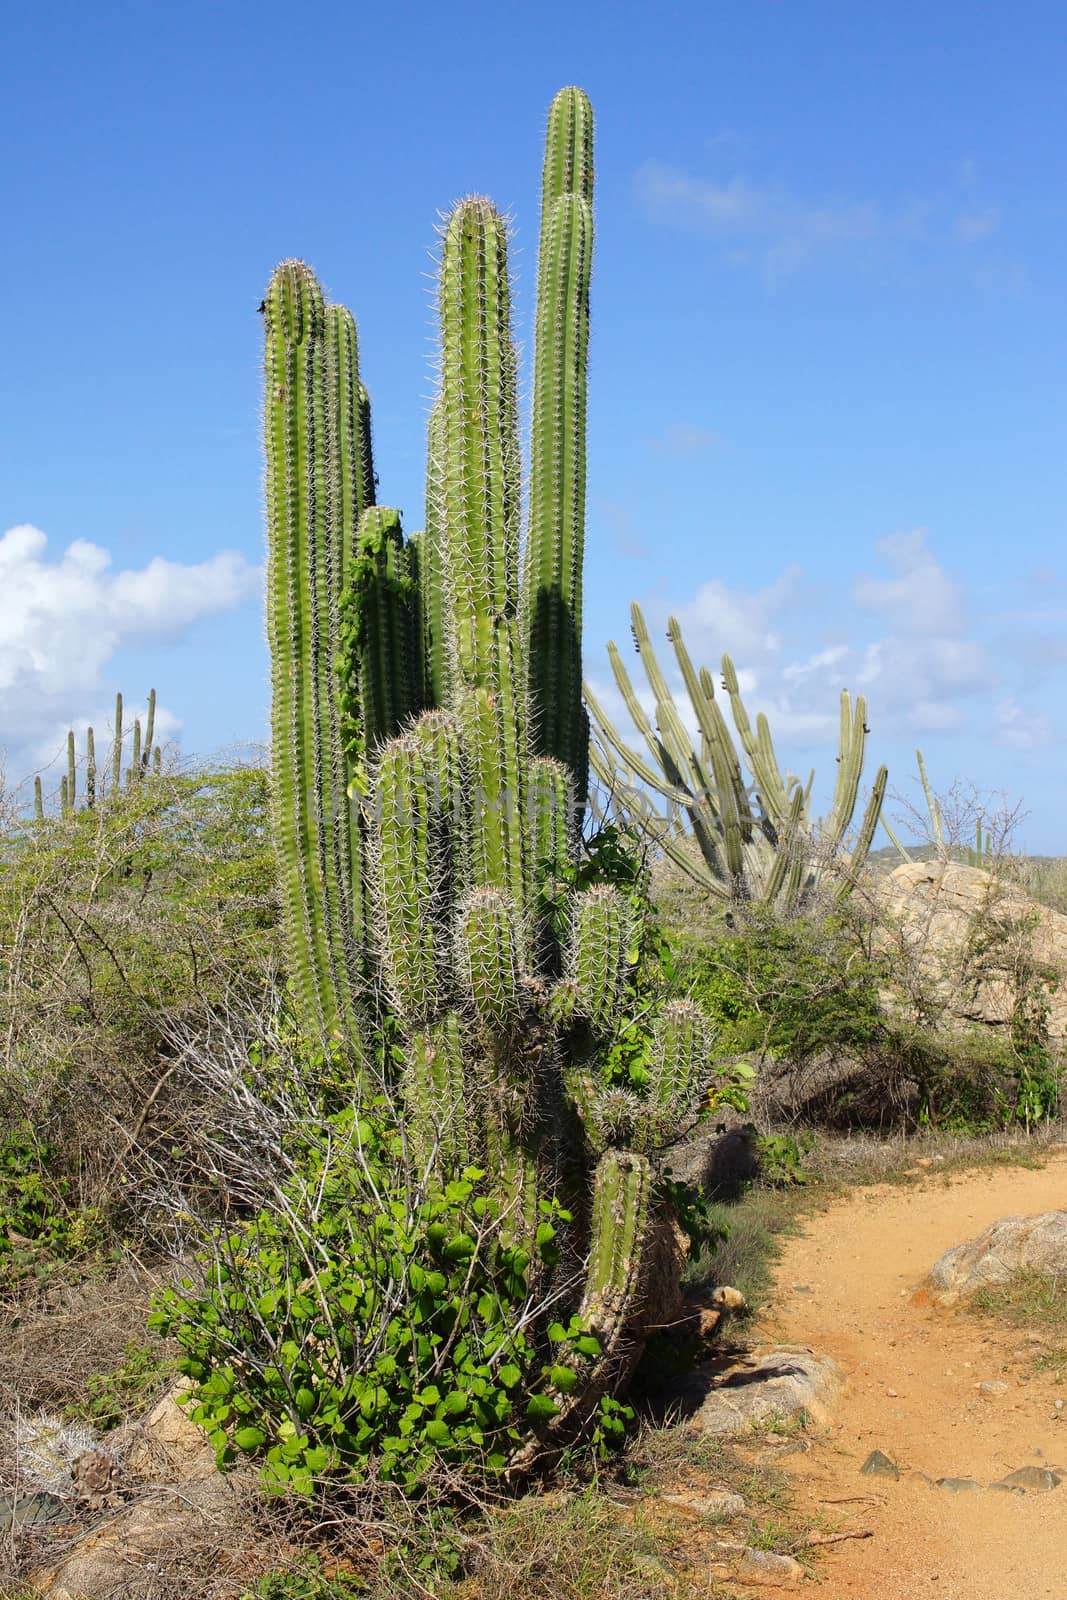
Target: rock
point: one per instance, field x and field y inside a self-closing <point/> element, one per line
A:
<point x="938" y="907"/>
<point x="30" y="1511"/>
<point x="991" y="1389"/>
<point x="731" y="1163"/>
<point x="775" y="1384"/>
<point x="716" y="1503"/>
<point x="958" y="1485"/>
<point x="764" y="1567"/>
<point x="122" y="1555"/>
<point x="1006" y="1247"/>
<point x="1029" y="1478"/>
<point x="166" y="1446"/>
<point x="878" y="1465"/>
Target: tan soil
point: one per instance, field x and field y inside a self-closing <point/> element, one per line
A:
<point x="912" y="1371"/>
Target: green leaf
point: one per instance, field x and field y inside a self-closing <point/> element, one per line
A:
<point x="249" y="1438"/>
<point x="563" y="1378"/>
<point x="540" y="1408"/>
<point x="509" y="1376"/>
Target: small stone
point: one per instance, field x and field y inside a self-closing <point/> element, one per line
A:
<point x="879" y="1465"/>
<point x="990" y="1390"/>
<point x="803" y="1288"/>
<point x="766" y="1567"/>
<point x="892" y="1393"/>
<point x="958" y="1485"/>
<point x="718" y="1503"/>
<point x="1032" y="1478"/>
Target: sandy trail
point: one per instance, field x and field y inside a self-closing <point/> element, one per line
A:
<point x="912" y="1373"/>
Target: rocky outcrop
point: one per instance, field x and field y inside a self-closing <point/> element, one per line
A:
<point x="174" y="1506"/>
<point x="1009" y="1246"/>
<point x="778" y="1384"/>
<point x="970" y="938"/>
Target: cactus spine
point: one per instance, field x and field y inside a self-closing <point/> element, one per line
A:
<point x="444" y="742"/>
<point x="757" y="840"/>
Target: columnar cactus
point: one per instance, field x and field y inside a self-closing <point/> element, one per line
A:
<point x="145" y="756"/>
<point x="430" y="751"/>
<point x="756" y="841"/>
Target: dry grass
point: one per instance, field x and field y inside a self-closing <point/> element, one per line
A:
<point x="1038" y="1304"/>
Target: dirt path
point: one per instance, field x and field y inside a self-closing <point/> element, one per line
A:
<point x="912" y="1373"/>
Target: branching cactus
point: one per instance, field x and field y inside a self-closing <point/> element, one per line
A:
<point x="431" y="748"/>
<point x="757" y="840"/>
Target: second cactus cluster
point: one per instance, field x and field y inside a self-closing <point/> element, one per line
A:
<point x="431" y="751"/>
<point x="756" y="841"/>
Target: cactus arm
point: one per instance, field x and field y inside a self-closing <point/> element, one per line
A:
<point x="480" y="509"/>
<point x="634" y="763"/>
<point x="554" y="551"/>
<point x="864" y="839"/>
<point x="433" y="555"/>
<point x="622" y="1189"/>
<point x="312" y="813"/>
<point x="38" y="799"/>
<point x="552" y="587"/>
<point x="444" y="1098"/>
<point x="481" y="476"/>
<point x="72" y="772"/>
<point x="933" y="806"/>
<point x="849" y="769"/>
<point x="380" y="655"/>
<point x="149" y="731"/>
<point x="406" y="840"/>
<point x="368" y="477"/>
<point x="759" y="750"/>
<point x="601" y="933"/>
<point x="116" y="747"/>
<point x="568" y="165"/>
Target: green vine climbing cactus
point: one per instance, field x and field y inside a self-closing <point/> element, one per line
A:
<point x="757" y="840"/>
<point x="430" y="757"/>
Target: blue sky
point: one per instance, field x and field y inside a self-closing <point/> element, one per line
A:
<point x="828" y="377"/>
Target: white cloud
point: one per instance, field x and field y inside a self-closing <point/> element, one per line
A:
<point x="63" y="619"/>
<point x="971" y="226"/>
<point x="734" y="621"/>
<point x="1018" y="729"/>
<point x="921" y="597"/>
<point x="910" y="646"/>
<point x="778" y="230"/>
<point x="684" y="439"/>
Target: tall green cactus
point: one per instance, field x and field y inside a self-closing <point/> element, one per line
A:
<point x="431" y="749"/>
<point x="757" y="840"/>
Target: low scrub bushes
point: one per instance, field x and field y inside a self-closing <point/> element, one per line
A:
<point x="846" y="1030"/>
<point x="369" y="1320"/>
